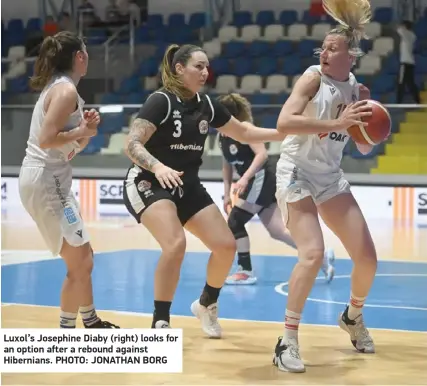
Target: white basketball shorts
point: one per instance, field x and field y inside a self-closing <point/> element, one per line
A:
<point x="47" y="197"/>
<point x="294" y="183"/>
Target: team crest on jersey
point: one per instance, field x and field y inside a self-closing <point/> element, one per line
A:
<point x="203" y="127"/>
<point x="143" y="186"/>
<point x="233" y="149"/>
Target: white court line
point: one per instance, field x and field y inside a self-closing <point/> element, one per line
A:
<point x="279" y="289"/>
<point x="144" y="315"/>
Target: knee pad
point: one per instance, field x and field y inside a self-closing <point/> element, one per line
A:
<point x="237" y="220"/>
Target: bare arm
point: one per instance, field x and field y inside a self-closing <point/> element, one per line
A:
<point x="259" y="160"/>
<point x="60" y="103"/>
<point x="227" y="175"/>
<point x="290" y="119"/>
<point x="140" y="132"/>
<point x="246" y="132"/>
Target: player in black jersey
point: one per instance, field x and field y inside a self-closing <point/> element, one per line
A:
<point x="254" y="193"/>
<point x="162" y="189"/>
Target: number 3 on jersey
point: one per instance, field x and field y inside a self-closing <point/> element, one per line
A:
<point x="178" y="125"/>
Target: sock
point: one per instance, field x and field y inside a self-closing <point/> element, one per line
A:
<point x="292" y="320"/>
<point x="355" y="306"/>
<point x="161" y="311"/>
<point x="67" y="319"/>
<point x="209" y="295"/>
<point x="88" y="314"/>
<point x="244" y="260"/>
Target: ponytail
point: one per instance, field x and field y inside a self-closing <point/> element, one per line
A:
<point x="56" y="55"/>
<point x="45" y="64"/>
<point x="352" y="16"/>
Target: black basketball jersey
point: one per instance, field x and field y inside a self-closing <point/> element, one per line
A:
<point x="238" y="154"/>
<point x="182" y="128"/>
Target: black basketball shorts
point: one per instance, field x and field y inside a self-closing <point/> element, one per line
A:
<point x="261" y="189"/>
<point x="141" y="189"/>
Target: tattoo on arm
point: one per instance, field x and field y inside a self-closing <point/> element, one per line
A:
<point x="140" y="132"/>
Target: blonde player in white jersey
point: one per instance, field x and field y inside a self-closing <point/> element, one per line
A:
<point x="324" y="103"/>
<point x="59" y="130"/>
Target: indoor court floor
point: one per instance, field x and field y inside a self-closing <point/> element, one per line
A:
<point x="252" y="316"/>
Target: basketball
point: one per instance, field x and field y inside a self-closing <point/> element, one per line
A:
<point x="378" y="129"/>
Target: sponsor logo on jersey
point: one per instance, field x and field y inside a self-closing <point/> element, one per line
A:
<point x="203" y="127"/>
<point x="176" y="114"/>
<point x="337" y="137"/>
<point x="233" y="149"/>
<point x="181" y="146"/>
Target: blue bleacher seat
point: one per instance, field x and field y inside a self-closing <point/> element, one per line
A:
<point x="176" y="20"/>
<point x="242" y="18"/>
<point x="309" y="19"/>
<point x="34" y="24"/>
<point x="111" y="123"/>
<point x="383" y="84"/>
<point x="234" y="49"/>
<point x="155" y="21"/>
<point x="383" y="15"/>
<point x="129" y="85"/>
<point x="288" y="17"/>
<point x="259" y="48"/>
<point x="265" y="18"/>
<point x="282" y="48"/>
<point x="306" y="47"/>
<point x="266" y="66"/>
<point x="220" y="66"/>
<point x="197" y="20"/>
<point x="149" y="67"/>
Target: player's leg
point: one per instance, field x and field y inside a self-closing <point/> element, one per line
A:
<point x="302" y="221"/>
<point x="55" y="211"/>
<point x="344" y="217"/>
<point x="271" y="218"/>
<point x="239" y="216"/>
<point x="204" y="219"/>
<point x="161" y="220"/>
<point x="155" y="208"/>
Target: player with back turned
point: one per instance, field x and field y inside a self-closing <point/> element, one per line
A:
<point x="254" y="193"/>
<point x="162" y="189"/>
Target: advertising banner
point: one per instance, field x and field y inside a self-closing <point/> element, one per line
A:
<point x="105" y="198"/>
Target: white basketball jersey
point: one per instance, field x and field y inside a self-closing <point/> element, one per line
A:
<point x="35" y="155"/>
<point x="322" y="152"/>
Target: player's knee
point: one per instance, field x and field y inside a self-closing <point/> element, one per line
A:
<point x="174" y="248"/>
<point x="368" y="259"/>
<point x="226" y="245"/>
<point x="312" y="257"/>
<point x="83" y="270"/>
<point x="236" y="222"/>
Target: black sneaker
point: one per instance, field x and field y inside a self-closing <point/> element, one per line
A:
<point x="102" y="324"/>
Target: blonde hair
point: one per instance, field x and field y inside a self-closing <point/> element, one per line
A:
<point x="352" y="16"/>
<point x="170" y="79"/>
<point x="238" y="106"/>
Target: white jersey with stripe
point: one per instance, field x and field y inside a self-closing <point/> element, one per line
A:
<point x="322" y="153"/>
<point x="55" y="157"/>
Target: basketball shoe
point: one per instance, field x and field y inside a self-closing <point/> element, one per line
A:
<point x="287" y="358"/>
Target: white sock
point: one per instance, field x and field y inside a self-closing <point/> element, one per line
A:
<point x="292" y="320"/>
<point x="355" y="306"/>
<point x="89" y="315"/>
<point x="67" y="319"/>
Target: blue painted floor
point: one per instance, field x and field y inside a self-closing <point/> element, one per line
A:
<point x="123" y="281"/>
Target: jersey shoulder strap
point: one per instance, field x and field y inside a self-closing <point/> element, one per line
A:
<point x="165" y="93"/>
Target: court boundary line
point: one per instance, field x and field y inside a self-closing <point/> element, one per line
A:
<point x="35" y="251"/>
<point x="279" y="289"/>
<point x="143" y="314"/>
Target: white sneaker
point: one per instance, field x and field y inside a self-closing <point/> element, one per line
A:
<point x="328" y="265"/>
<point x="287" y="358"/>
<point x="161" y="324"/>
<point x="241" y="277"/>
<point x="359" y="334"/>
<point x="208" y="316"/>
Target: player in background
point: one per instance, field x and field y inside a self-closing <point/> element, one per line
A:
<point x="59" y="130"/>
<point x="255" y="194"/>
<point x="324" y="103"/>
<point x="162" y="189"/>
